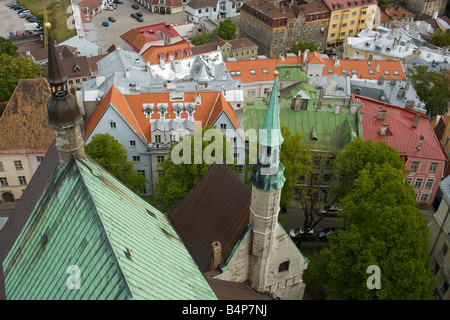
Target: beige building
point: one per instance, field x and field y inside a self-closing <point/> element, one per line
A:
<point x="426" y="6"/>
<point x="24" y="136"/>
<point x="440" y="242"/>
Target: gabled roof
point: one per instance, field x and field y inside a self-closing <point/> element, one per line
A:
<point x="199" y="4"/>
<point x="216" y="209"/>
<point x="23" y="125"/>
<point x="125" y="248"/>
<point x="405" y="137"/>
<point x="131" y="108"/>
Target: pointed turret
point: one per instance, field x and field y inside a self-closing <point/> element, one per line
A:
<point x="63" y="112"/>
<point x="268" y="172"/>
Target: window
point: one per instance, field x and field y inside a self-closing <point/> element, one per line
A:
<point x="3" y="182"/>
<point x="414" y="166"/>
<point x="371" y="71"/>
<point x="159" y="159"/>
<point x="22" y="180"/>
<point x="418" y="183"/>
<point x="173" y="138"/>
<point x="141" y="172"/>
<point x="330" y="70"/>
<point x="429" y="184"/>
<point x="335" y="17"/>
<point x="132" y="143"/>
<point x="18" y="165"/>
<point x="264" y="70"/>
<point x="332" y="35"/>
<point x="344" y="71"/>
<point x="434" y="165"/>
<point x="444" y="250"/>
<point x="136" y="159"/>
<point x="334" y="26"/>
<point x="284" y="266"/>
<point x="424" y="197"/>
<point x="223" y="126"/>
<point x="386" y="72"/>
<point x="396" y="72"/>
<point x="409" y="180"/>
<point x="444" y="288"/>
<point x="342" y="34"/>
<point x="344" y="25"/>
<point x="38" y="159"/>
<point x="252" y="71"/>
<point x="352" y="23"/>
<point x="157" y="138"/>
<point x="354" y="13"/>
<point x="2" y="169"/>
<point x="112" y="125"/>
<point x="346" y="16"/>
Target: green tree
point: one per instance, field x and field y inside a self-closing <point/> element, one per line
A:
<point x="176" y="178"/>
<point x="302" y="46"/>
<point x="431" y="88"/>
<point x="226" y="30"/>
<point x="354" y="157"/>
<point x="12" y="70"/>
<point x="112" y="156"/>
<point x="7" y="47"/>
<point x="383" y="228"/>
<point x="441" y="38"/>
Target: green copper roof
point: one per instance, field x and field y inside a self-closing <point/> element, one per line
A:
<point x="329" y="129"/>
<point x="271" y="134"/>
<point x="124" y="248"/>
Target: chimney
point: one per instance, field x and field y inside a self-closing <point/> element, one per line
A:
<point x="400" y="93"/>
<point x="251" y="98"/>
<point x="407" y="86"/>
<point x="381" y="81"/>
<point x="410" y="104"/>
<point x="381" y="113"/>
<point x="337" y="107"/>
<point x="416" y="120"/>
<point x="393" y="81"/>
<point x="419" y="145"/>
<point x="216" y="255"/>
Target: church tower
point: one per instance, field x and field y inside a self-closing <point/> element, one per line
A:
<point x="63" y="112"/>
<point x="267" y="180"/>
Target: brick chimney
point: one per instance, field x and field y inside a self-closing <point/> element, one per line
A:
<point x="216" y="255"/>
<point x="416" y="120"/>
<point x="381" y="113"/>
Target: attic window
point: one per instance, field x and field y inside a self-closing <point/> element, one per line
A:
<point x="371" y="71"/>
<point x="330" y="70"/>
<point x="369" y="63"/>
<point x="396" y="72"/>
<point x="386" y="72"/>
<point x="264" y="70"/>
<point x="128" y="254"/>
<point x="252" y="71"/>
<point x="284" y="266"/>
<point x="238" y="73"/>
<point x="344" y="71"/>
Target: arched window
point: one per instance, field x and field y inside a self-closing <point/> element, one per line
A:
<point x="284" y="266"/>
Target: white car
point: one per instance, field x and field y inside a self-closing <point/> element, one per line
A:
<point x="330" y="211"/>
<point x="300" y="233"/>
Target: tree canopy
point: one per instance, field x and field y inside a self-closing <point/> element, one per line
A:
<point x="226" y="30"/>
<point x="383" y="228"/>
<point x="176" y="176"/>
<point x="431" y="88"/>
<point x="441" y="38"/>
<point x="12" y="70"/>
<point x="7" y="47"/>
<point x="302" y="46"/>
<point x="112" y="156"/>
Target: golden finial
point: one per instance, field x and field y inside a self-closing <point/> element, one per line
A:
<point x="275" y="73"/>
<point x="47" y="25"/>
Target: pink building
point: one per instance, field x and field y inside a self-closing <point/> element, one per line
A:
<point x="411" y="134"/>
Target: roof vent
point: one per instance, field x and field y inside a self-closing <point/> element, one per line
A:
<point x="419" y="145"/>
<point x="128" y="254"/>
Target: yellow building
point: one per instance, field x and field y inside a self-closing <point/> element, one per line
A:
<point x="441" y="125"/>
<point x="348" y="18"/>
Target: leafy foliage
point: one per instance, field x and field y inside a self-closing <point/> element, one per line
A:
<point x="383" y="227"/>
<point x="12" y="70"/>
<point x="226" y="30"/>
<point x="176" y="180"/>
<point x="302" y="46"/>
<point x="112" y="156"/>
<point x="7" y="47"/>
<point x="431" y="88"/>
<point x="441" y="38"/>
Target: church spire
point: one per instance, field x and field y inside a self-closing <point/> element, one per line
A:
<point x="63" y="112"/>
<point x="268" y="172"/>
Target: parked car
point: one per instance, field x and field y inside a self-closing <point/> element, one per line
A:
<point x="112" y="19"/>
<point x="11" y="34"/>
<point x="139" y="19"/>
<point x="322" y="234"/>
<point x="105" y="23"/>
<point x="297" y="233"/>
<point x="133" y="15"/>
<point x="22" y="10"/>
<point x="118" y="2"/>
<point x="139" y="14"/>
<point x="330" y="211"/>
<point x="135" y="6"/>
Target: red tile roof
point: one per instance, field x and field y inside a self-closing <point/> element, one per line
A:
<point x="131" y="108"/>
<point x="362" y="68"/>
<point x="405" y="137"/>
<point x="346" y="4"/>
<point x="153" y="53"/>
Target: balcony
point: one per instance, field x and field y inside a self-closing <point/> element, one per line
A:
<point x="161" y="146"/>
